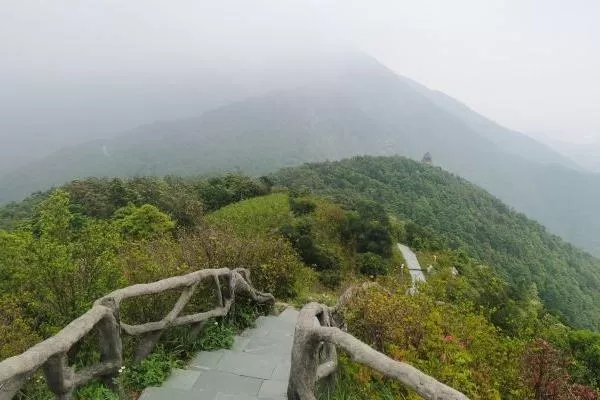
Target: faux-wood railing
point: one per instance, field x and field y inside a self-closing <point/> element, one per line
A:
<point x="314" y="356"/>
<point x="51" y="354"/>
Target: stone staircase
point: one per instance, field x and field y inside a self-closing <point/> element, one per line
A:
<point x="256" y="367"/>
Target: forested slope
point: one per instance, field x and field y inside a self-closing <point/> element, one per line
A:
<point x="470" y="330"/>
<point x="466" y="216"/>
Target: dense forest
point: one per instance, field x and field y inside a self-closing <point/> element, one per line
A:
<point x="498" y="329"/>
<point x="464" y="216"/>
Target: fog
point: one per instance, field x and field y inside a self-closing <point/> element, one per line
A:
<point x="72" y="71"/>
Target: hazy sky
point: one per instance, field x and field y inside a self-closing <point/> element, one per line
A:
<point x="82" y="68"/>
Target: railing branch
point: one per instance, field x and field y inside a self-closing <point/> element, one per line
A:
<point x="104" y="316"/>
<point x="60" y="343"/>
<point x="314" y="357"/>
<point x="426" y="386"/>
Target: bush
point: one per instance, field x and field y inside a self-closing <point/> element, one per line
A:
<point x="15" y="329"/>
<point x="302" y="206"/>
<point x="331" y="279"/>
<point x="367" y="235"/>
<point x="145" y="222"/>
<point x="454" y="345"/>
<point x="372" y="264"/>
<point x="273" y="263"/>
<point x="301" y="237"/>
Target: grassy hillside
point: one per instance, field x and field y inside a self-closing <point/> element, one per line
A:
<point x="520" y="250"/>
<point x="261" y="215"/>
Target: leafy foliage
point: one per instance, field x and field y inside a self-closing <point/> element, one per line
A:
<point x="484" y="322"/>
<point x="152" y="371"/>
<point x="456" y="346"/>
<point x="183" y="199"/>
<point x="301" y="206"/>
<point x="142" y="222"/>
<point x="372" y="264"/>
<point x="465" y="216"/>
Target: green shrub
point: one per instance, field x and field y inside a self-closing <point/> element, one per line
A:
<point x="15" y="329"/>
<point x="331" y="278"/>
<point x="145" y="222"/>
<point x="216" y="335"/>
<point x="366" y="234"/>
<point x="152" y="371"/>
<point x="372" y="264"/>
<point x="302" y="206"/>
<point x="95" y="391"/>
<point x="302" y="239"/>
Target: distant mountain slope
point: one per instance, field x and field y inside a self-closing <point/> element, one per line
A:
<point x="586" y="154"/>
<point x="521" y="250"/>
<point x="356" y="107"/>
<point x="508" y="140"/>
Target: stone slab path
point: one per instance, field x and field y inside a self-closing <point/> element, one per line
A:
<point x="256" y="367"/>
<point x="414" y="267"/>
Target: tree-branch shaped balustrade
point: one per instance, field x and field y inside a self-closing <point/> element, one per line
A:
<point x="51" y="354"/>
<point x="314" y="355"/>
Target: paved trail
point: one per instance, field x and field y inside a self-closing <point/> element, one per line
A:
<point x="257" y="367"/>
<point x="414" y="267"/>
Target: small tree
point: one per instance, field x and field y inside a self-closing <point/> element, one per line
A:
<point x="372" y="264"/>
<point x="143" y="222"/>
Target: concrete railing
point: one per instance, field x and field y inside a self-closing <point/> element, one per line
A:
<point x="314" y="356"/>
<point x="104" y="317"/>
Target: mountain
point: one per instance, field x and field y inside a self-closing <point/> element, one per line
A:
<point x="469" y="218"/>
<point x="584" y="153"/>
<point x="355" y="106"/>
<point x="508" y="140"/>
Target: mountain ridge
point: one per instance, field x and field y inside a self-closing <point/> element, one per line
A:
<point x="359" y="108"/>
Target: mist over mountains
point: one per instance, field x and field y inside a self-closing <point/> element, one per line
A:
<point x="352" y="105"/>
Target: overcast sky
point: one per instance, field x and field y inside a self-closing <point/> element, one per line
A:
<point x="531" y="65"/>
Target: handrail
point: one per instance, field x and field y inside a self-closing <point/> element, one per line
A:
<point x="314" y="356"/>
<point x="51" y="354"/>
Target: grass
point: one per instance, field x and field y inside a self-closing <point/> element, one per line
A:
<point x="346" y="384"/>
<point x="259" y="215"/>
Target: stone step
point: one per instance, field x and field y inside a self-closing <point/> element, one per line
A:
<point x="289" y="314"/>
<point x="257" y="366"/>
<point x="164" y="393"/>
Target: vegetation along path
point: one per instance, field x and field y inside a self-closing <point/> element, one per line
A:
<point x="256" y="367"/>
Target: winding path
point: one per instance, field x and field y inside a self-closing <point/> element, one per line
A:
<point x="414" y="267"/>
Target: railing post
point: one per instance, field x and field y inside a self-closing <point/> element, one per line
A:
<point x="305" y="356"/>
<point x="111" y="346"/>
<point x="219" y="292"/>
<point x="59" y="376"/>
<point x="303" y="372"/>
<point x="328" y="352"/>
<point x="9" y="388"/>
<point x="146" y="344"/>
